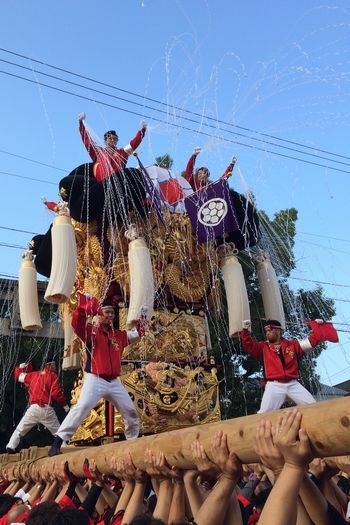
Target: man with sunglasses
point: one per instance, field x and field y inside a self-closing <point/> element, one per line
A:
<point x="281" y="358"/>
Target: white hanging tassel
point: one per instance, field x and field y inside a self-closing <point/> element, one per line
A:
<point x="28" y="294"/>
<point x="270" y="289"/>
<point x="64" y="259"/>
<point x="235" y="288"/>
<point x="71" y="354"/>
<point x="141" y="279"/>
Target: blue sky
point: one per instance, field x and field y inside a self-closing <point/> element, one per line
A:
<point x="267" y="81"/>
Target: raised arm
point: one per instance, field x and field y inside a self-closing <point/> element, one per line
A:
<point x="189" y="172"/>
<point x="135" y="505"/>
<point x="221" y="505"/>
<point x="293" y="443"/>
<point x="136" y="141"/>
<point x="119" y="469"/>
<point x="228" y="171"/>
<point x="87" y="306"/>
<point x="321" y="332"/>
<point x="155" y="463"/>
<point x="323" y="472"/>
<point x="194" y="481"/>
<point x="89" y="144"/>
<point x="21" y="371"/>
<point x="56" y="392"/>
<point x="249" y="345"/>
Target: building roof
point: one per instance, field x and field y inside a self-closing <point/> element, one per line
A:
<point x="325" y="392"/>
<point x="345" y="385"/>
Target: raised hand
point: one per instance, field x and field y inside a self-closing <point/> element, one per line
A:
<point x="270" y="455"/>
<point x="205" y="467"/>
<point x="226" y="461"/>
<point x="343" y="462"/>
<point x="96" y="474"/>
<point x="292" y="440"/>
<point x="157" y="466"/>
<point x="140" y="476"/>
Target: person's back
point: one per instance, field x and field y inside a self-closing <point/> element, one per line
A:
<point x="43" y="387"/>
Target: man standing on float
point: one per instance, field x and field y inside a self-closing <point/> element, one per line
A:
<point x="93" y="323"/>
<point x="110" y="159"/>
<point x="281" y="360"/>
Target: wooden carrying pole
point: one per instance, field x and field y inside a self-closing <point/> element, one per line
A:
<point x="327" y="424"/>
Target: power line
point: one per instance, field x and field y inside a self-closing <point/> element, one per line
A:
<point x="292" y="278"/>
<point x="185" y="118"/>
<point x="319" y="282"/>
<point x="325" y="247"/>
<point x="8" y="275"/>
<point x="27" y="178"/>
<point x="206" y="134"/>
<point x="212" y="126"/>
<point x="31" y="160"/>
<point x="129" y="93"/>
<point x="304" y="233"/>
<point x="143" y="97"/>
<point x="16" y="246"/>
<point x="325" y="237"/>
<point x="338" y="373"/>
<point x="8" y="245"/>
<point x="16" y="230"/>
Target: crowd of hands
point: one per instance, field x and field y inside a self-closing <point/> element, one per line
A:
<point x="208" y="494"/>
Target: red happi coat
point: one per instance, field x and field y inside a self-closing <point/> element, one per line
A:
<point x="104" y="345"/>
<point x="280" y="366"/>
<point x="108" y="160"/>
<point x="43" y="387"/>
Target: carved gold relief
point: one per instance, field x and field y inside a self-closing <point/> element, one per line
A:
<point x="166" y="396"/>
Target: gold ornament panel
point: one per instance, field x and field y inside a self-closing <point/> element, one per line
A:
<point x="166" y="396"/>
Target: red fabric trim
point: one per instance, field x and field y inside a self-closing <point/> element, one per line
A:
<point x="66" y="501"/>
<point x="322" y="332"/>
<point x="87" y="471"/>
<point x="117" y="518"/>
<point x="245" y="502"/>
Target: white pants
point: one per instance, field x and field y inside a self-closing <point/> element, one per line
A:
<point x="34" y="415"/>
<point x="277" y="393"/>
<point x="95" y="388"/>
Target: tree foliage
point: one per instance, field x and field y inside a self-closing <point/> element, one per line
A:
<point x="164" y="161"/>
